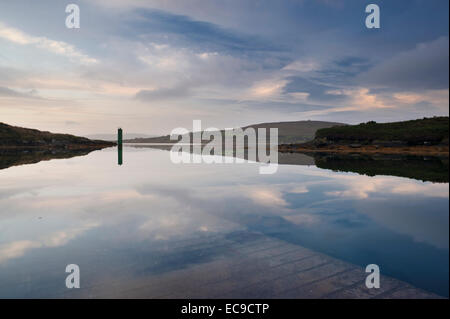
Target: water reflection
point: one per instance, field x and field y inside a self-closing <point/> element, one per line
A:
<point x="22" y="156"/>
<point x="120" y="154"/>
<point x="424" y="168"/>
<point x="124" y="225"/>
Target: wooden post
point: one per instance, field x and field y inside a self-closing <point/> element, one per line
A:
<point x="119" y="146"/>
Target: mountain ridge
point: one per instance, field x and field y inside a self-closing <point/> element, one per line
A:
<point x="288" y="132"/>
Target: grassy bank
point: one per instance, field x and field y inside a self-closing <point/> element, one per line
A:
<point x="19" y="137"/>
<point x="427" y="131"/>
<point x="427" y="137"/>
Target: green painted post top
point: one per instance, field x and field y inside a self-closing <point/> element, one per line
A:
<point x="119" y="136"/>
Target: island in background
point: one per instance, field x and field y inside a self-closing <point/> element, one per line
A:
<point x="427" y="136"/>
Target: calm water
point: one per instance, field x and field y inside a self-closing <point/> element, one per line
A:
<point x="120" y="222"/>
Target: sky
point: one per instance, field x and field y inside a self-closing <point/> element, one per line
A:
<point x="152" y="66"/>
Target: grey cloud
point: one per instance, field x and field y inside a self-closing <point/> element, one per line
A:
<point x="11" y="75"/>
<point x="425" y="67"/>
<point x="286" y="107"/>
<point x="193" y="33"/>
<point x="430" y="228"/>
<point x="71" y="123"/>
<point x="7" y="92"/>
<point x="163" y="94"/>
<point x="343" y="70"/>
<point x="316" y="90"/>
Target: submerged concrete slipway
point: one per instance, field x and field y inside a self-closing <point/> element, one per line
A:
<point x="252" y="265"/>
<point x="153" y="229"/>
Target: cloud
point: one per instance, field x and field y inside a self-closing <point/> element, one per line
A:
<point x="424" y="68"/>
<point x="362" y="98"/>
<point x="18" y="248"/>
<point x="267" y="89"/>
<point x="406" y="216"/>
<point x="299" y="189"/>
<point x="435" y="97"/>
<point x="344" y="69"/>
<point x="303" y="219"/>
<point x="57" y="47"/>
<point x="7" y="92"/>
<point x="71" y="123"/>
<point x="302" y="66"/>
<point x="266" y="196"/>
<point x="227" y="62"/>
<point x="363" y="187"/>
<point x="188" y="32"/>
<point x="163" y="94"/>
<point x="317" y="91"/>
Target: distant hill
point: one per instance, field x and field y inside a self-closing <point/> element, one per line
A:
<point x="14" y="136"/>
<point x="113" y="137"/>
<point x="427" y="131"/>
<point x="288" y="132"/>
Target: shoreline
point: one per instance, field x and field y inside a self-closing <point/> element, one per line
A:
<point x="57" y="147"/>
<point x="441" y="151"/>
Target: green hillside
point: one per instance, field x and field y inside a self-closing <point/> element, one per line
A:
<point x="24" y="137"/>
<point x="430" y="131"/>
